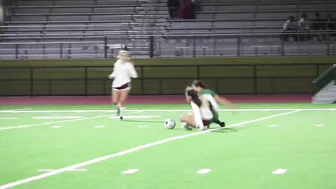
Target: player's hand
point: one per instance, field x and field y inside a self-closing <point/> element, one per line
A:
<point x="110" y="76"/>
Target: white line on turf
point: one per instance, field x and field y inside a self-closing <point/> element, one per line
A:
<point x="99" y="126"/>
<point x="203" y="171"/>
<point x="274" y="125"/>
<point x="319" y="125"/>
<point x="56" y="127"/>
<point x="99" y="159"/>
<point x="58" y="117"/>
<point x="171" y="110"/>
<point x="279" y="171"/>
<point x="143" y="126"/>
<point x="55" y="122"/>
<point x="137" y="117"/>
<point x="130" y="171"/>
<point x="11" y="110"/>
<point x="73" y="170"/>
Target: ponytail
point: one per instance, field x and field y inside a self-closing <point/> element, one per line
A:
<point x="194" y="97"/>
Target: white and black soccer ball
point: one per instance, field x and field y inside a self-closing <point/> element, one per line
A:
<point x="170" y="123"/>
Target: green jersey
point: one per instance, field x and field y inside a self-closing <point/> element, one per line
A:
<point x="210" y="96"/>
<point x="208" y="91"/>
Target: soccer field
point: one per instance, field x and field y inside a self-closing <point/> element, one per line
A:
<point x="265" y="146"/>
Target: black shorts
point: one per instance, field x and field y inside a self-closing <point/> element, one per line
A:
<point x="206" y="123"/>
<point x="123" y="87"/>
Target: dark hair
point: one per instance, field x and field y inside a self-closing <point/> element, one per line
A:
<point x="194" y="97"/>
<point x="199" y="83"/>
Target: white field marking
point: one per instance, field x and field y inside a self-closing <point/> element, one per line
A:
<point x="319" y="125"/>
<point x="58" y="117"/>
<point x="19" y="109"/>
<point x="274" y="125"/>
<point x="8" y="118"/>
<point x="143" y="126"/>
<point x="55" y="122"/>
<point x="73" y="170"/>
<point x="169" y="110"/>
<point x="56" y="127"/>
<point x="130" y="171"/>
<point x="137" y="117"/>
<point x="99" y="126"/>
<point x="135" y="149"/>
<point x="279" y="171"/>
<point x="203" y="171"/>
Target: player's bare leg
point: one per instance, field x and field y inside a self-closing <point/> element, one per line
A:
<point x="187" y="121"/>
<point x="115" y="99"/>
<point x="122" y="101"/>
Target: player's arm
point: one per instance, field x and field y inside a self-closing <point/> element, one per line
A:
<point x="197" y="116"/>
<point x="112" y="75"/>
<point x="132" y="71"/>
<point x="222" y="100"/>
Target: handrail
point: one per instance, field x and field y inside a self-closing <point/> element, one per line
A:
<point x="324" y="73"/>
<point x="267" y="11"/>
<point x="191" y="35"/>
<point x="203" y="4"/>
<point x="75" y="14"/>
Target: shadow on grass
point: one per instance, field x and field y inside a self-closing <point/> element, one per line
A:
<point x="226" y="130"/>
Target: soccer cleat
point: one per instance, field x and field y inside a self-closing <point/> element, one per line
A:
<point x="222" y="124"/>
<point x="121" y="118"/>
<point x="186" y="127"/>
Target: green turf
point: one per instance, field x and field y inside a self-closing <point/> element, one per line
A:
<point x="240" y="157"/>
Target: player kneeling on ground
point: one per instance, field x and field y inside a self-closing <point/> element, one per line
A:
<point x="215" y="99"/>
<point x="201" y="115"/>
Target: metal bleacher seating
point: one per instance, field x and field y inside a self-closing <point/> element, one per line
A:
<point x="78" y="28"/>
<point x="245" y="28"/>
<point x="36" y="29"/>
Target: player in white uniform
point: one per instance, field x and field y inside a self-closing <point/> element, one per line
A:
<point x="201" y="114"/>
<point x="122" y="74"/>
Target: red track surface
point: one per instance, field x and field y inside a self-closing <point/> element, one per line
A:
<point x="77" y="100"/>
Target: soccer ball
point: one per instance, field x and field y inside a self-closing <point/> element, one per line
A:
<point x="170" y="124"/>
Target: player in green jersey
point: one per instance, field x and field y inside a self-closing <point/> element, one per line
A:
<point x="205" y="91"/>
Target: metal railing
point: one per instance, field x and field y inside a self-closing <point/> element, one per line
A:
<point x="235" y="45"/>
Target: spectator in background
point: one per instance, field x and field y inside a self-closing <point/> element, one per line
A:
<point x="318" y="26"/>
<point x="304" y="28"/>
<point x="187" y="10"/>
<point x="289" y="29"/>
<point x="173" y="8"/>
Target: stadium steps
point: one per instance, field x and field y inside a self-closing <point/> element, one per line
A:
<point x="327" y="95"/>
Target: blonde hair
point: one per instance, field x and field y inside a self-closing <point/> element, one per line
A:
<point x="123" y="55"/>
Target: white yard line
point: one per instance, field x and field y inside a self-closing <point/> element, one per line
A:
<point x="19" y="109"/>
<point x="169" y="110"/>
<point x="99" y="159"/>
<point x="56" y="122"/>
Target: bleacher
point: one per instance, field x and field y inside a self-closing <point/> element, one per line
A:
<point x="78" y="29"/>
<point x="250" y="28"/>
<point x="97" y="28"/>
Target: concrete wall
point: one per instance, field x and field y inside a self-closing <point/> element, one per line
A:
<point x="163" y="76"/>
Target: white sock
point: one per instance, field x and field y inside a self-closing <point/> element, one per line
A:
<point x="121" y="111"/>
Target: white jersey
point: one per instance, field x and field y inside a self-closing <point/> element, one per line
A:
<point x="212" y="101"/>
<point x="122" y="73"/>
<point x="200" y="114"/>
